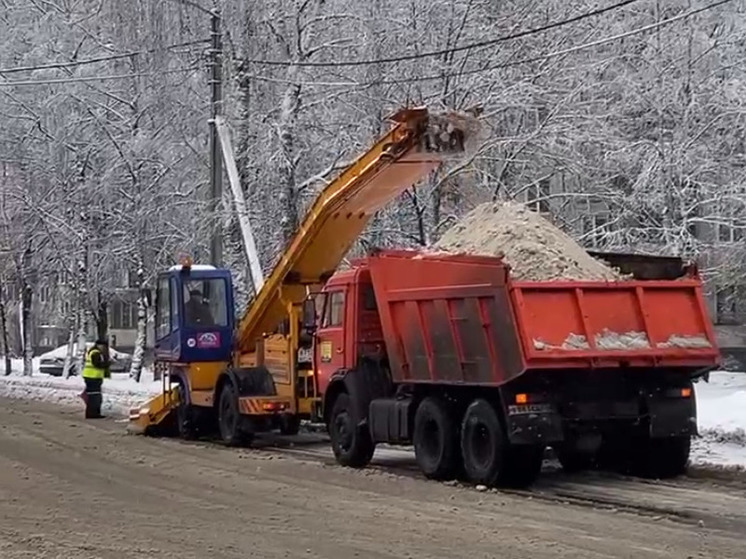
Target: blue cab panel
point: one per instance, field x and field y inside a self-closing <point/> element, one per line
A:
<point x="194" y="319"/>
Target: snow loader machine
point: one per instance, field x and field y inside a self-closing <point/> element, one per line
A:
<point x="239" y="378"/>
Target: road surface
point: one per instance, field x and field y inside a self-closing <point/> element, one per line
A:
<point x="74" y="489"/>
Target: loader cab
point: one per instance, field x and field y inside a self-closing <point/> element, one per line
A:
<point x="194" y="320"/>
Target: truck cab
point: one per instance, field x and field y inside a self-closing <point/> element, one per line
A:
<point x="194" y="319"/>
<point x="347" y="325"/>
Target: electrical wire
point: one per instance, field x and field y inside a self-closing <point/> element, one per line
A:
<point x="441" y="52"/>
<point x="93" y="78"/>
<point x="86" y="61"/>
<point x="520" y="62"/>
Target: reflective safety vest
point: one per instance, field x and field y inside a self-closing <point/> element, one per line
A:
<point x="90" y="370"/>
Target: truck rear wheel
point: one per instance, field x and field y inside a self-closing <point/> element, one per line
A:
<point x="661" y="458"/>
<point x="230" y="421"/>
<point x="435" y="439"/>
<point x="351" y="443"/>
<point x="489" y="459"/>
<point x="482" y="443"/>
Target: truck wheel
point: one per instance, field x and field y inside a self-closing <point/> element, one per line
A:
<point x="482" y="443"/>
<point x="489" y="459"/>
<point x="352" y="444"/>
<point x="435" y="439"/>
<point x="661" y="458"/>
<point x="229" y="418"/>
<point x="289" y="424"/>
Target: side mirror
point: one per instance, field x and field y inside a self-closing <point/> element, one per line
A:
<point x="147" y="295"/>
<point x="309" y="315"/>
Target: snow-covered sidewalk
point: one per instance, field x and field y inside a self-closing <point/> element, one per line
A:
<point x="120" y="393"/>
<point x="721" y="413"/>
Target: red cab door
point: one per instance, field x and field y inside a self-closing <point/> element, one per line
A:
<point x="330" y="338"/>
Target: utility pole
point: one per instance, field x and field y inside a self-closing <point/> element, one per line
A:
<point x="216" y="167"/>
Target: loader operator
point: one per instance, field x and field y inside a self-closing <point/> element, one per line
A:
<point x="95" y="370"/>
<point x="197" y="311"/>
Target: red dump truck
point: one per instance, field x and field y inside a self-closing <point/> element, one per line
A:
<point x="482" y="373"/>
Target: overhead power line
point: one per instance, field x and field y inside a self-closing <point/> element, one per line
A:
<point x="530" y="60"/>
<point x="94" y="78"/>
<point x="441" y="52"/>
<point x="72" y="63"/>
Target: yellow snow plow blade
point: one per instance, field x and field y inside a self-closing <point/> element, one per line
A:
<point x="153" y="412"/>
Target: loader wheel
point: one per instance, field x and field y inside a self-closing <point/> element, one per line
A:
<point x="185" y="423"/>
<point x="351" y="443"/>
<point x="230" y="421"/>
<point x="661" y="458"/>
<point x="289" y="424"/>
<point x="435" y="439"/>
<point x="489" y="459"/>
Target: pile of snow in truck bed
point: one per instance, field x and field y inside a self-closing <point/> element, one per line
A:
<point x="535" y="249"/>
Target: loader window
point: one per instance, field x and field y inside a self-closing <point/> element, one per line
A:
<point x="334" y="311"/>
<point x="163" y="310"/>
<point x="205" y="302"/>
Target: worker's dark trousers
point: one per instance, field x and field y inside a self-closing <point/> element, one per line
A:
<point x="93" y="397"/>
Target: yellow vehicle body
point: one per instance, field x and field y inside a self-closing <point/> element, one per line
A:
<point x="269" y="333"/>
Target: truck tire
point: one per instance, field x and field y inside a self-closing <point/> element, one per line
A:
<point x="489" y="459"/>
<point x="661" y="458"/>
<point x="352" y="444"/>
<point x="482" y="443"/>
<point x="230" y="422"/>
<point x="435" y="439"/>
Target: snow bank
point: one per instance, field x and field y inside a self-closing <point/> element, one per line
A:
<point x="120" y="393"/>
<point x="61" y="352"/>
<point x="721" y="418"/>
<point x="721" y="407"/>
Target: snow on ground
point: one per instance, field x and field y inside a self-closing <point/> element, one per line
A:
<point x="120" y="392"/>
<point x="721" y="406"/>
<point x="721" y="412"/>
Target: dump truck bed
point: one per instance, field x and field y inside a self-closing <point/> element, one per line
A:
<point x="461" y="319"/>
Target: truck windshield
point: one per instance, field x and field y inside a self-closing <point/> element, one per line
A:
<point x="205" y="303"/>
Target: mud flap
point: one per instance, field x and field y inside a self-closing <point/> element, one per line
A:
<point x="531" y="424"/>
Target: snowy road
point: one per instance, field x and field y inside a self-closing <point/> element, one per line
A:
<point x="721" y="407"/>
<point x="78" y="490"/>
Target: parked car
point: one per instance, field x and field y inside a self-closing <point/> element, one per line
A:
<point x="53" y="362"/>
